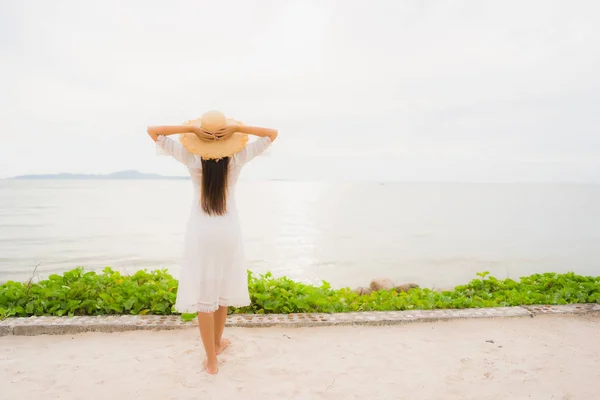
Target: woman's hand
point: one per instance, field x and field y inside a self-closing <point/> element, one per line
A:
<point x="223" y="133"/>
<point x="200" y="132"/>
<point x="228" y="131"/>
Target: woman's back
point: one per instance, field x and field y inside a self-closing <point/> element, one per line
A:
<point x="236" y="162"/>
<point x="194" y="166"/>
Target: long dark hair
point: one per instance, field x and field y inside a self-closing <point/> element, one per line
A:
<point x="214" y="186"/>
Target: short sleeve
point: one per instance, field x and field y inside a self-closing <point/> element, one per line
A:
<point x="170" y="147"/>
<point x="252" y="150"/>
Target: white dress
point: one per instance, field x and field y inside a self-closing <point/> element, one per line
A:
<point x="213" y="269"/>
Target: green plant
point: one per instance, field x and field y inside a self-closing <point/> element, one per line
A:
<point x="78" y="292"/>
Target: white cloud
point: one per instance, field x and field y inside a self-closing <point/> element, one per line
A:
<point x="447" y="90"/>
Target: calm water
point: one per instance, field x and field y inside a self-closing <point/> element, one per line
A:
<point x="434" y="234"/>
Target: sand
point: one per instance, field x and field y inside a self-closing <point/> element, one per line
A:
<point x="546" y="357"/>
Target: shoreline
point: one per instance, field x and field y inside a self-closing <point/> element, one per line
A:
<point x="34" y="326"/>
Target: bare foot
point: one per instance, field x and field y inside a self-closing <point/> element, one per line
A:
<point x="222" y="346"/>
<point x="211" y="368"/>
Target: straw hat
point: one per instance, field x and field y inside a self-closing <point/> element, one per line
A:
<point x="210" y="146"/>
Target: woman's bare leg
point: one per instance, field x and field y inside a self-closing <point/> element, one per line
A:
<point x="220" y="318"/>
<point x="206" y="324"/>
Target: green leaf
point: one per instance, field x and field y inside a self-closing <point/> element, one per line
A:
<point x="78" y="292"/>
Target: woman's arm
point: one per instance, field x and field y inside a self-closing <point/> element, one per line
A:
<point x="156" y="131"/>
<point x="260" y="132"/>
<point x="249" y="130"/>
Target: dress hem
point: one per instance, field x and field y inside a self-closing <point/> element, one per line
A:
<point x="204" y="308"/>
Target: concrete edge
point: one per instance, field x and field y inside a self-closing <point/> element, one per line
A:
<point x="39" y="329"/>
<point x="34" y="326"/>
<point x="563" y="309"/>
<point x="5" y="331"/>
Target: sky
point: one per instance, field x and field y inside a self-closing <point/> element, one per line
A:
<point x="460" y="91"/>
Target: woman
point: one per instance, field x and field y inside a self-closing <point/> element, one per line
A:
<point x="213" y="272"/>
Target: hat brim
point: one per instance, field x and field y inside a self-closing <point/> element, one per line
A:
<point x="213" y="150"/>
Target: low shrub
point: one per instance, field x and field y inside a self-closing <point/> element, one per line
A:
<point x="78" y="292"/>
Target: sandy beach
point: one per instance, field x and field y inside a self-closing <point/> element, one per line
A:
<point x="546" y="357"/>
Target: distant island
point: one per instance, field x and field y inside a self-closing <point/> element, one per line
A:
<point x="120" y="175"/>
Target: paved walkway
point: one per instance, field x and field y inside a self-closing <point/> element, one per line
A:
<point x="66" y="325"/>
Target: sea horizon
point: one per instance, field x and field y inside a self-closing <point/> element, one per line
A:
<point x="133" y="174"/>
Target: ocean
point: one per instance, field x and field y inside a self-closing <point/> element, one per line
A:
<point x="436" y="235"/>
